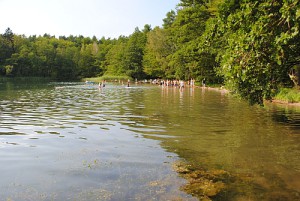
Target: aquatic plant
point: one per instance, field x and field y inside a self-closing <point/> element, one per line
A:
<point x="203" y="184"/>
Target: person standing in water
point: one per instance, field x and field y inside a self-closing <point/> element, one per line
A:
<point x="128" y="82"/>
<point x="181" y="84"/>
<point x="203" y="82"/>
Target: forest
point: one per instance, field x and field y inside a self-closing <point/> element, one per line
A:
<point x="250" y="47"/>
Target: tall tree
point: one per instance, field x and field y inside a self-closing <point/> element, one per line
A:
<point x="170" y="18"/>
<point x="7" y="47"/>
<point x="157" y="50"/>
<point x="134" y="53"/>
<point x="9" y="37"/>
<point x="186" y="30"/>
<point x="115" y="58"/>
<point x="262" y="44"/>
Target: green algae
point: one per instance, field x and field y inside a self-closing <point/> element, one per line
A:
<point x="220" y="185"/>
<point x="203" y="184"/>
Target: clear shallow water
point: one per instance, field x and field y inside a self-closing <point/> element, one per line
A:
<point x="69" y="141"/>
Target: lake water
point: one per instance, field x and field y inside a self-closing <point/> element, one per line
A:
<point x="71" y="141"/>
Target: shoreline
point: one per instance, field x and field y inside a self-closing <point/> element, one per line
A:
<point x="283" y="103"/>
<point x="220" y="89"/>
<point x="273" y="101"/>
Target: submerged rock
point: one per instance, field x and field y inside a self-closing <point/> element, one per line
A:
<point x="204" y="184"/>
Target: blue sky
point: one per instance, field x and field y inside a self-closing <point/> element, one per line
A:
<point x="108" y="18"/>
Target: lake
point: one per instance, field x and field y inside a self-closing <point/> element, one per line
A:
<point x="72" y="141"/>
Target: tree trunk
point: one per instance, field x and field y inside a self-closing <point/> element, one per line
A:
<point x="298" y="75"/>
<point x="294" y="76"/>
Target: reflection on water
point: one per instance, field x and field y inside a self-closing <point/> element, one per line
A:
<point x="61" y="141"/>
<point x="217" y="132"/>
<point x="287" y="116"/>
<point x="76" y="142"/>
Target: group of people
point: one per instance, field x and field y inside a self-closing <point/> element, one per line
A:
<point x="174" y="83"/>
<point x="165" y="83"/>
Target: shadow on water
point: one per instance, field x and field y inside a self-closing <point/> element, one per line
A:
<point x="229" y="150"/>
<point x="287" y="116"/>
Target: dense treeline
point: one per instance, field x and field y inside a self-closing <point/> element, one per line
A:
<point x="250" y="46"/>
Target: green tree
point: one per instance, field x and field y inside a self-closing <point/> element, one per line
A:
<point x="115" y="57"/>
<point x="170" y="18"/>
<point x="157" y="50"/>
<point x="9" y="70"/>
<point x="66" y="61"/>
<point x="7" y="47"/>
<point x="185" y="34"/>
<point x="134" y="53"/>
<point x="262" y="44"/>
<point x="9" y="37"/>
<point x="87" y="61"/>
<point x="193" y="3"/>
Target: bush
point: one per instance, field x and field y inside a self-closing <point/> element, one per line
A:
<point x="8" y="70"/>
<point x="288" y="95"/>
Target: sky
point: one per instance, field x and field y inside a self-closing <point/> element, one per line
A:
<point x="100" y="18"/>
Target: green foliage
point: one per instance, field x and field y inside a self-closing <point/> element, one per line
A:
<point x="87" y="61"/>
<point x="250" y="46"/>
<point x="157" y="50"/>
<point x="258" y="52"/>
<point x="289" y="95"/>
<point x="9" y="37"/>
<point x="7" y="47"/>
<point x="8" y="69"/>
<point x="111" y="78"/>
<point x="115" y="57"/>
<point x="134" y="53"/>
<point x="170" y="18"/>
<point x="47" y="56"/>
<point x="125" y="57"/>
<point x="192" y="3"/>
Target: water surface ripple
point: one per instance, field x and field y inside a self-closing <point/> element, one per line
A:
<point x="76" y="142"/>
<point x="71" y="141"/>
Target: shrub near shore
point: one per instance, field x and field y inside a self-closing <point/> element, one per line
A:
<point x="288" y="95"/>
